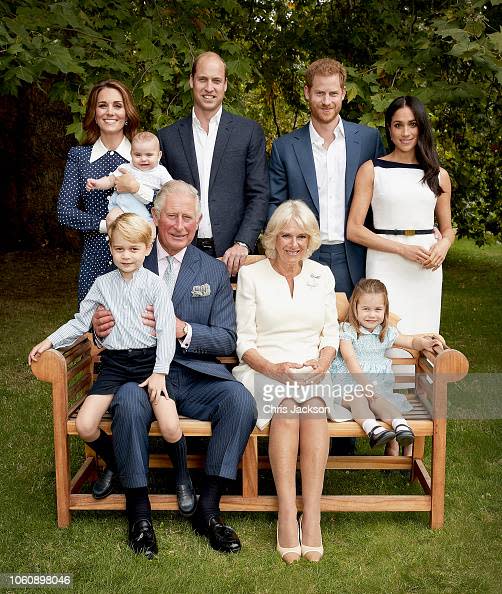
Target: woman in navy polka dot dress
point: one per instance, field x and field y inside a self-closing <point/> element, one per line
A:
<point x="110" y="122"/>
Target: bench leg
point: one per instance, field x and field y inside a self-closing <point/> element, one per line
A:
<point x="250" y="469"/>
<point x="438" y="473"/>
<point x="418" y="454"/>
<point x="62" y="462"/>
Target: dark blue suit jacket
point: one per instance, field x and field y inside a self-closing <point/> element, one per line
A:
<point x="292" y="175"/>
<point x="212" y="317"/>
<point x="238" y="183"/>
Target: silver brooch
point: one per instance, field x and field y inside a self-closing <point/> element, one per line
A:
<point x="313" y="280"/>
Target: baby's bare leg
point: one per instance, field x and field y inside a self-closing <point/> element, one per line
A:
<point x="113" y="214"/>
<point x="90" y="414"/>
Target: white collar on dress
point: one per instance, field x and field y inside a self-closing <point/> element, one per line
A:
<point x="99" y="149"/>
<point x="376" y="330"/>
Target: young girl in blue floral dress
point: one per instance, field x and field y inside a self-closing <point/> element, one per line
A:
<point x="364" y="338"/>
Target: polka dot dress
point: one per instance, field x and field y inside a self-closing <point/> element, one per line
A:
<point x="82" y="210"/>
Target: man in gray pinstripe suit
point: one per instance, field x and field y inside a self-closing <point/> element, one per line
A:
<point x="201" y="386"/>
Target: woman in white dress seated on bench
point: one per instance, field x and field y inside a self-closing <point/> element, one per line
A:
<point x="287" y="330"/>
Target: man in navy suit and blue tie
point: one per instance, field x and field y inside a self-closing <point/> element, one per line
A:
<point x="223" y="156"/>
<point x="318" y="164"/>
<point x="201" y="386"/>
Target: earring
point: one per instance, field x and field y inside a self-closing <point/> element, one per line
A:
<point x="125" y="123"/>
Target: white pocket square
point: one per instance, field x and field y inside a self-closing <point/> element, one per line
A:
<point x="201" y="290"/>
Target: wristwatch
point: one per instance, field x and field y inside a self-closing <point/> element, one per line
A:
<point x="186" y="328"/>
<point x="243" y="245"/>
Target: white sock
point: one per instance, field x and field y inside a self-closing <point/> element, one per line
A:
<point x="396" y="422"/>
<point x="370" y="424"/>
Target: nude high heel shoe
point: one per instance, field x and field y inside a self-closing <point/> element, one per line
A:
<point x="315" y="554"/>
<point x="283" y="551"/>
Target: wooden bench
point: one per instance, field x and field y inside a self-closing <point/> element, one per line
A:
<point x="70" y="372"/>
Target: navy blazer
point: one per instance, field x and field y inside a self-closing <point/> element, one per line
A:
<point x="212" y="317"/>
<point x="238" y="183"/>
<point x="292" y="175"/>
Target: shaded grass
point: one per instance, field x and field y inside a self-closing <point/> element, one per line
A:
<point x="364" y="552"/>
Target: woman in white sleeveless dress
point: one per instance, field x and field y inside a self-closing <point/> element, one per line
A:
<point x="407" y="190"/>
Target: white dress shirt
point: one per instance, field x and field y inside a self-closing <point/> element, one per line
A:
<point x="162" y="265"/>
<point x="204" y="149"/>
<point x="330" y="174"/>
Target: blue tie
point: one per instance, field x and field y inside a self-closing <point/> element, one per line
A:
<point x="169" y="276"/>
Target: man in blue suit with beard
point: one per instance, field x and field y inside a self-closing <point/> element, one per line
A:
<point x="201" y="386"/>
<point x="318" y="164"/>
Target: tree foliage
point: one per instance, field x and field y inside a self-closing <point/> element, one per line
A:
<point x="447" y="52"/>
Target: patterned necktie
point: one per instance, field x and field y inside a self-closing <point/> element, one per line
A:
<point x="169" y="276"/>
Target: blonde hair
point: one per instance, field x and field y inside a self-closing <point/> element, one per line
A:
<point x="176" y="186"/>
<point x="325" y="67"/>
<point x="133" y="228"/>
<point x="368" y="286"/>
<point x="295" y="211"/>
<point x="146" y="137"/>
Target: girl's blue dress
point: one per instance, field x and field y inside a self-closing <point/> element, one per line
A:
<point x="370" y="353"/>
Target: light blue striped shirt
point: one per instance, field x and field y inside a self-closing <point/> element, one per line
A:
<point x="127" y="300"/>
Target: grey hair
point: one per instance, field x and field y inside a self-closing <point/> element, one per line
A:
<point x="176" y="186"/>
<point x="298" y="212"/>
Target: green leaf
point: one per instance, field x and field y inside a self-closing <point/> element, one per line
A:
<point x="153" y="88"/>
<point x="148" y="51"/>
<point x="496" y="40"/>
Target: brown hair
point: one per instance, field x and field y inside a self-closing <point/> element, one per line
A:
<point x="368" y="286"/>
<point x="207" y="55"/>
<point x="146" y="137"/>
<point x="133" y="228"/>
<point x="325" y="67"/>
<point x="91" y="129"/>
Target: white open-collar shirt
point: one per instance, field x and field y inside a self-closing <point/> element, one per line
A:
<point x="204" y="149"/>
<point x="330" y="166"/>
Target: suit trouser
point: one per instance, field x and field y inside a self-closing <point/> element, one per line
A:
<point x="226" y="403"/>
<point x="335" y="257"/>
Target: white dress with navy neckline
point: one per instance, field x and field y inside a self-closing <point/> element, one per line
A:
<point x="402" y="201"/>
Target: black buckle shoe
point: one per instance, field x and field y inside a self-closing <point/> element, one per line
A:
<point x="187" y="500"/>
<point x="404" y="436"/>
<point x="142" y="539"/>
<point x="104" y="485"/>
<point x="380" y="438"/>
<point x="221" y="537"/>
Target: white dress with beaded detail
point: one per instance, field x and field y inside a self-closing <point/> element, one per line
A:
<point x="401" y="201"/>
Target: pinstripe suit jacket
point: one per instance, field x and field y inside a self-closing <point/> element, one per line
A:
<point x="212" y="317"/>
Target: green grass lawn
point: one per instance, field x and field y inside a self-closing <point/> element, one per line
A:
<point x="364" y="552"/>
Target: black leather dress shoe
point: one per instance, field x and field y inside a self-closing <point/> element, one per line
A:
<point x="187" y="501"/>
<point x="142" y="539"/>
<point x="104" y="485"/>
<point x="221" y="537"/>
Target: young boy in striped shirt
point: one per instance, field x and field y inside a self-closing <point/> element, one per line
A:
<point x="132" y="354"/>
